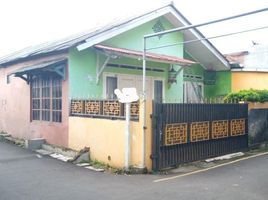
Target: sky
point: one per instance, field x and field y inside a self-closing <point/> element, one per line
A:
<point x="30" y="22"/>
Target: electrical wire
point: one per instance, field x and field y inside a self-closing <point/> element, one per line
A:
<point x="189" y="26"/>
<point x="207" y="38"/>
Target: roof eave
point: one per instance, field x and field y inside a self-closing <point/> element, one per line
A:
<point x="199" y="35"/>
<point x="113" y="31"/>
<point x="32" y="57"/>
<point x="170" y="8"/>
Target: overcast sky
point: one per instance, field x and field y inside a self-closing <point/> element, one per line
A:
<point x="29" y="22"/>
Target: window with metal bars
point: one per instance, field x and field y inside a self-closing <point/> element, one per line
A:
<point x="46" y="99"/>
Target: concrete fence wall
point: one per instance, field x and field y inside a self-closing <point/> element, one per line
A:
<point x="258" y="122"/>
<point x="106" y="138"/>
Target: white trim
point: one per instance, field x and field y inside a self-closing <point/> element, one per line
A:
<point x="195" y="59"/>
<point x="121" y="28"/>
<point x="204" y="42"/>
<point x="107" y="34"/>
<point x="104" y="76"/>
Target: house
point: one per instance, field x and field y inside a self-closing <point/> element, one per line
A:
<point x="249" y="68"/>
<point x="64" y="91"/>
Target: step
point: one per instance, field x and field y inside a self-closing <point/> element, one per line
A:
<point x="57" y="150"/>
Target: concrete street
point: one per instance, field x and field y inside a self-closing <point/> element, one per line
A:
<point x="26" y="176"/>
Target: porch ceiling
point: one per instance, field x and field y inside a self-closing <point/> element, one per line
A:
<point x="149" y="56"/>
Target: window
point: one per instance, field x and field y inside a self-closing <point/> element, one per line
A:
<point x="46" y="99"/>
<point x="111" y="85"/>
<point x="192" y="92"/>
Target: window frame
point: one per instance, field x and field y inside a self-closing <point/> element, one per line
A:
<point x="105" y="75"/>
<point x="46" y="93"/>
<point x="186" y="92"/>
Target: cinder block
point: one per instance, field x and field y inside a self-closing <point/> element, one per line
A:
<point x="34" y="144"/>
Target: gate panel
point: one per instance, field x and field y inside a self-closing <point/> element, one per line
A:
<point x="190" y="132"/>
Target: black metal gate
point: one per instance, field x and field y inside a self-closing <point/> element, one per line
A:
<point x="190" y="132"/>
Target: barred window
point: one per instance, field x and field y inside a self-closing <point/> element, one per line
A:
<point x="46" y="99"/>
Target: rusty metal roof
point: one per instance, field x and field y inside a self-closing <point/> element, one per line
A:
<point x="149" y="56"/>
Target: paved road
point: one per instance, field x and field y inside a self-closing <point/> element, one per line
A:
<point x="24" y="176"/>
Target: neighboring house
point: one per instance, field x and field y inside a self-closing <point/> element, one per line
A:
<point x="249" y="68"/>
<point x="63" y="91"/>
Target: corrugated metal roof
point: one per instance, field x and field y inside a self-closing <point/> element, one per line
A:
<point x="39" y="66"/>
<point x="75" y="40"/>
<point x="150" y="56"/>
<point x="68" y="42"/>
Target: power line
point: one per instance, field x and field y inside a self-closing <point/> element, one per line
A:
<point x="206" y="38"/>
<point x="205" y="23"/>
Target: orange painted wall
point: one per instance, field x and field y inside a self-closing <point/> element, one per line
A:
<point x="15" y="109"/>
<point x="249" y="80"/>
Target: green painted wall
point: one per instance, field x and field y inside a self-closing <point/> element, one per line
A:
<point x="82" y="75"/>
<point x="223" y="80"/>
<point x="82" y="65"/>
<point x="222" y="86"/>
<point x="133" y="40"/>
<point x="195" y="69"/>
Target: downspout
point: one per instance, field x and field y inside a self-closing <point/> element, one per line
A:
<point x="144" y="105"/>
<point x="127" y="137"/>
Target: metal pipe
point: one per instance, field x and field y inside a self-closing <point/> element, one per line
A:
<point x="144" y="104"/>
<point x="205" y="23"/>
<point x="144" y="64"/>
<point x="127" y="137"/>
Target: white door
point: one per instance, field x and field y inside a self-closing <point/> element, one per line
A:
<point x="135" y="81"/>
<point x="120" y="81"/>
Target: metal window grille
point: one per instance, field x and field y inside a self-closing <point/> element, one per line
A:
<point x="46" y="99"/>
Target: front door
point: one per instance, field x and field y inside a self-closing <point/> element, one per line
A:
<point x="154" y="88"/>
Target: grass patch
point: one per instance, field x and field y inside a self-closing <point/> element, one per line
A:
<point x="100" y="165"/>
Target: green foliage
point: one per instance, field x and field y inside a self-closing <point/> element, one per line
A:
<point x="99" y="165"/>
<point x="263" y="95"/>
<point x="248" y="95"/>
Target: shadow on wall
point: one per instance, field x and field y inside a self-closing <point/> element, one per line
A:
<point x="258" y="125"/>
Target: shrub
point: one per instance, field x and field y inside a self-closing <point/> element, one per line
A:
<point x="263" y="95"/>
<point x="248" y="95"/>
